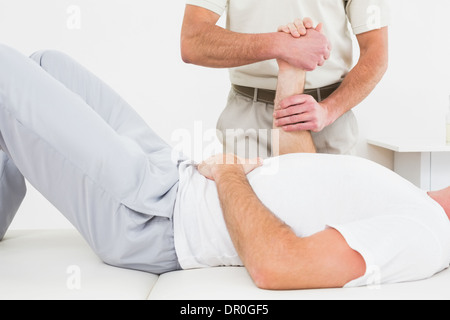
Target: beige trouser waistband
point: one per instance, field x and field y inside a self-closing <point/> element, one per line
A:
<point x="268" y="96"/>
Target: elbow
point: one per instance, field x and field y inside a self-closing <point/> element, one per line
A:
<point x="271" y="269"/>
<point x="266" y="277"/>
<point x="269" y="273"/>
<point x="383" y="64"/>
<point x="262" y="277"/>
<point x="382" y="68"/>
<point x="188" y="51"/>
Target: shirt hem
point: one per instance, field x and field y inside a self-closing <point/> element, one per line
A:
<point x="366" y="28"/>
<point x="207" y="5"/>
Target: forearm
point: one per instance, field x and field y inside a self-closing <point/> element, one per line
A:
<point x="205" y="43"/>
<point x="215" y="47"/>
<point x="356" y="87"/>
<point x="291" y="81"/>
<point x="257" y="234"/>
<point x="363" y="78"/>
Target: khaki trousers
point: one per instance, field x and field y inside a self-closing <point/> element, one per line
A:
<point x="244" y="128"/>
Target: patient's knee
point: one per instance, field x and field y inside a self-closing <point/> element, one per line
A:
<point x="39" y="56"/>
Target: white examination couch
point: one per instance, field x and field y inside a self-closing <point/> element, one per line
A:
<point x="59" y="265"/>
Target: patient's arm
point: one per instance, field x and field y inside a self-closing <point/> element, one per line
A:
<point x="291" y="81"/>
<point x="274" y="256"/>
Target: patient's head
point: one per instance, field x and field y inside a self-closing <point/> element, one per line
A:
<point x="443" y="198"/>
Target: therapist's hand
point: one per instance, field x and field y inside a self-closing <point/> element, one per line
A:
<point x="302" y="113"/>
<point x="311" y="47"/>
<point x="221" y="162"/>
<point x="298" y="27"/>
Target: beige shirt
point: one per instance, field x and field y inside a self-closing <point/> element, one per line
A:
<point x="340" y="19"/>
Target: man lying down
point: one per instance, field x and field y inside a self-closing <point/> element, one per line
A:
<point x="316" y="221"/>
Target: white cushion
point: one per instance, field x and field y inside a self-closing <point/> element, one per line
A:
<point x="236" y="284"/>
<point x="60" y="265"/>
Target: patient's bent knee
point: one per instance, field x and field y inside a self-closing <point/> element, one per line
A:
<point x="39" y="56"/>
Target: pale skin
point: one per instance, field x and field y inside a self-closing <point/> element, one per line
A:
<point x="301" y="112"/>
<point x="274" y="256"/>
<point x="206" y="44"/>
<point x="291" y="81"/>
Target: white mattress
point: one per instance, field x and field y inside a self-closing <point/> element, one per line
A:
<point x="58" y="265"/>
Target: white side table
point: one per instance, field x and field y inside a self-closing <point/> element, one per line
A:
<point x="423" y="162"/>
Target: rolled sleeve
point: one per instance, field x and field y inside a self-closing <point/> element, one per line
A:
<point x="367" y="15"/>
<point x="216" y="6"/>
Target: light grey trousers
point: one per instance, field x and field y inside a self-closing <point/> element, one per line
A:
<point x="91" y="155"/>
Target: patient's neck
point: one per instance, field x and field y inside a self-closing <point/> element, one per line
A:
<point x="443" y="198"/>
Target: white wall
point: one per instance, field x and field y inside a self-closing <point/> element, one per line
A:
<point x="134" y="46"/>
<point x="412" y="100"/>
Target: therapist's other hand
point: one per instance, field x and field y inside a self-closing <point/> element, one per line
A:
<point x="220" y="162"/>
<point x="302" y="113"/>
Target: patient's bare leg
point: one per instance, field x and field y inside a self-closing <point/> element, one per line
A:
<point x="291" y="81"/>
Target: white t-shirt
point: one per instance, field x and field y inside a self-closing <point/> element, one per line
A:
<point x="400" y="231"/>
<point x="256" y="16"/>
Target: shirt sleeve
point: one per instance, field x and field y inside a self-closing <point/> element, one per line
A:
<point x="367" y="15"/>
<point x="217" y="6"/>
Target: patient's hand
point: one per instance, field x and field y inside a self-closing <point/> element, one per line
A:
<point x="210" y="167"/>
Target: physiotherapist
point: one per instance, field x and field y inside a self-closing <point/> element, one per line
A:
<point x="250" y="45"/>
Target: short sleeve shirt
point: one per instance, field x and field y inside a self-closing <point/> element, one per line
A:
<point x="401" y="232"/>
<point x="341" y="18"/>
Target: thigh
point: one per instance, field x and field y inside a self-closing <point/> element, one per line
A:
<point x="71" y="155"/>
<point x="105" y="101"/>
<point x="155" y="163"/>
